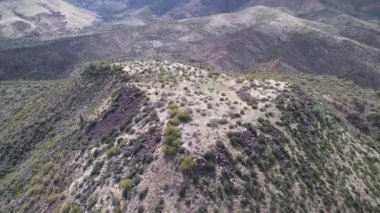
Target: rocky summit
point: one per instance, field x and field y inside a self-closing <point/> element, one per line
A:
<point x="160" y="136"/>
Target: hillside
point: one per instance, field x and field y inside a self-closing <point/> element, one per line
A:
<point x="19" y="18"/>
<point x="157" y="136"/>
<point x="251" y="39"/>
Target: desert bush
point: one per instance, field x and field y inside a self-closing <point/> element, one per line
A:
<point x="92" y="201"/>
<point x="235" y="115"/>
<point x="126" y="184"/>
<point x="96" y="170"/>
<point x="374" y="119"/>
<point x="52" y="198"/>
<point x="187" y="163"/>
<point x="174" y="121"/>
<point x="209" y="106"/>
<point x="143" y="194"/>
<point x="65" y="208"/>
<point x="202" y="209"/>
<point x="75" y="209"/>
<point x="36" y="188"/>
<point x="228" y="187"/>
<point x="210" y="156"/>
<point x="172" y="140"/>
<point x="235" y="139"/>
<point x="160" y="206"/>
<point x="111" y="152"/>
<point x="223" y="121"/>
<point x="378" y="93"/>
<point x="184" y="116"/>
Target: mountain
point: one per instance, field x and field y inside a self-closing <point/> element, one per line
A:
<point x="191" y="8"/>
<point x="189" y="106"/>
<point x="20" y="18"/>
<point x="159" y="136"/>
<point x="256" y="38"/>
<point x="41" y="17"/>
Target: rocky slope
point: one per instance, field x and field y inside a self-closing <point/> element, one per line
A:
<point x="155" y="136"/>
<point x="19" y="18"/>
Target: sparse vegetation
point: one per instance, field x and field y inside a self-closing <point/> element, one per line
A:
<point x="126" y="184"/>
<point x="53" y="198"/>
<point x="298" y="143"/>
<point x="111" y="152"/>
<point x="187" y="163"/>
<point x="171" y="140"/>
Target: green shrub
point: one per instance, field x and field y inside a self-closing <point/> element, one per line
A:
<point x="172" y="140"/>
<point x="65" y="208"/>
<point x="111" y="152"/>
<point x="52" y="198"/>
<point x="174" y="121"/>
<point x="36" y="188"/>
<point x="187" y="163"/>
<point x="173" y="106"/>
<point x="184" y="116"/>
<point x="75" y="209"/>
<point x="169" y="150"/>
<point x="236" y="139"/>
<point x="92" y="201"/>
<point x="126" y="184"/>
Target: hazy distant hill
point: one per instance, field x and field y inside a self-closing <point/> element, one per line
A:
<point x="34" y="17"/>
<point x="254" y="38"/>
<point x="190" y="8"/>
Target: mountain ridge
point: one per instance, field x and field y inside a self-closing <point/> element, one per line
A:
<point x="163" y="136"/>
<point x="231" y="42"/>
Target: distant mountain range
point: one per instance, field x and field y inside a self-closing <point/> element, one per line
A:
<point x="255" y="38"/>
<point x="191" y="8"/>
<point x="35" y="17"/>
